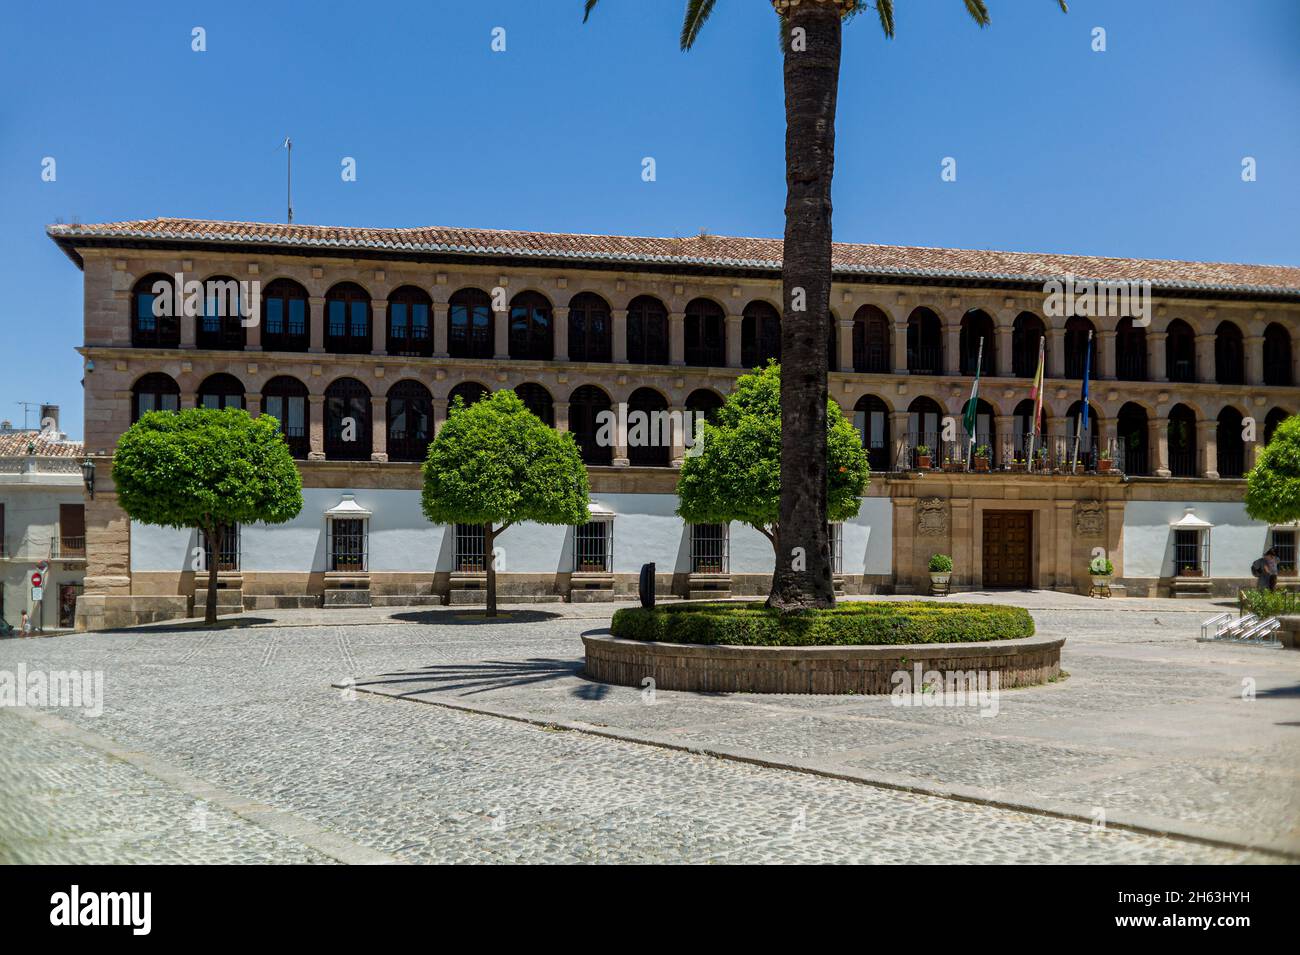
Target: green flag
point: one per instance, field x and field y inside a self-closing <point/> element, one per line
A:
<point x="968" y="419"/>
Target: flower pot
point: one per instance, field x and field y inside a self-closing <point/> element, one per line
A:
<point x="981" y="464"/>
<point x="1103" y="466"/>
<point x="1101" y="580"/>
<point x="1190" y="573"/>
<point x="939" y="584"/>
<point x="923" y="460"/>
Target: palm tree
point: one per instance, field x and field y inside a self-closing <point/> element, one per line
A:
<point x="810" y="44"/>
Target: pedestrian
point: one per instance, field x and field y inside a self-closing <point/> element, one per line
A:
<point x="25" y="625"/>
<point x="1265" y="571"/>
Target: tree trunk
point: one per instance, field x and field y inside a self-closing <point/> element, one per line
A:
<point x="214" y="551"/>
<point x="811" y="84"/>
<point x="490" y="565"/>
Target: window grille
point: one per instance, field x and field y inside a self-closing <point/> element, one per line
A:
<point x="227" y="558"/>
<point x="1284" y="542"/>
<point x="471" y="549"/>
<point x="709" y="549"/>
<point x="593" y="547"/>
<point x="348" y="542"/>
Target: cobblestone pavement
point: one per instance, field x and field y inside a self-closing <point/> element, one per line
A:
<point x="305" y="773"/>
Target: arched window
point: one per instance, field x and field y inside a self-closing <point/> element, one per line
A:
<point x="1130" y="351"/>
<point x="1229" y="447"/>
<point x="467" y="391"/>
<point x="470" y="325"/>
<point x="347" y="421"/>
<point x="1023" y="433"/>
<point x="1272" y="421"/>
<point x="649" y="430"/>
<point x="923" y="430"/>
<point x="585" y="404"/>
<point x="760" y="335"/>
<point x="221" y="391"/>
<point x="1277" y="356"/>
<point x="1180" y="351"/>
<point x="154" y="325"/>
<point x="647" y="331"/>
<point x="1077" y="350"/>
<point x="924" y="343"/>
<point x="871" y="418"/>
<point x="347" y="320"/>
<point x="1133" y="433"/>
<point x="1182" y="441"/>
<point x="409" y="322"/>
<point x="1090" y="441"/>
<point x="590" y="333"/>
<point x="286" y="317"/>
<point x="1229" y="364"/>
<point x="154" y="392"/>
<point x="706" y="334"/>
<point x="410" y="421"/>
<point x="706" y="402"/>
<point x="530" y="327"/>
<point x="285" y="399"/>
<point x="871" y="341"/>
<point x="976" y="325"/>
<point x="1026" y="332"/>
<point x="220" y="327"/>
<point x="537" y="400"/>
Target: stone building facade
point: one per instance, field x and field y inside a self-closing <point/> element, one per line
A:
<point x="392" y="324"/>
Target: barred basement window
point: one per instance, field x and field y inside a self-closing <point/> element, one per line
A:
<point x="227" y="558"/>
<point x="1283" y="541"/>
<point x="709" y="549"/>
<point x="348" y="551"/>
<point x="593" y="548"/>
<point x="836" y="534"/>
<point x="471" y="549"/>
<point x="1191" y="553"/>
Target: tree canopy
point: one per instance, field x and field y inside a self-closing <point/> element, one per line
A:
<point x="495" y="464"/>
<point x="736" y="476"/>
<point x="206" y="469"/>
<point x="1273" y="484"/>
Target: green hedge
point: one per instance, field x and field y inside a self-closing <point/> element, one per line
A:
<point x="848" y="624"/>
<point x="1270" y="603"/>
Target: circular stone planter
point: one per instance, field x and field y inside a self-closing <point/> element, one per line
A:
<point x="840" y="669"/>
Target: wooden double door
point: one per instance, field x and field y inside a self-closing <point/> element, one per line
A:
<point x="1008" y="548"/>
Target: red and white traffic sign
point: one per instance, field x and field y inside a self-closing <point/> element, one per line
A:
<point x="37" y="579"/>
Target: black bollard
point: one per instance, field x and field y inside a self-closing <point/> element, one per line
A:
<point x="648" y="586"/>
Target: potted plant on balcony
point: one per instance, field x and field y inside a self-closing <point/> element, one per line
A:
<point x="982" y="457"/>
<point x="949" y="464"/>
<point x="1042" y="459"/>
<point x="940" y="574"/>
<point x="1101" y="570"/>
<point x="1017" y="464"/>
<point x="1103" y="462"/>
<point x="922" y="456"/>
<point x="1190" y="571"/>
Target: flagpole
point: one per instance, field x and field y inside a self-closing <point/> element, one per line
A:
<point x="974" y="398"/>
<point x="1083" y="406"/>
<point x="288" y="144"/>
<point x="1033" y="425"/>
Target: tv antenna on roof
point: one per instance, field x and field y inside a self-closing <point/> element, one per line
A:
<point x="288" y="145"/>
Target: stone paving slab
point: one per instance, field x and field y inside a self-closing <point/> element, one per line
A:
<point x="248" y="711"/>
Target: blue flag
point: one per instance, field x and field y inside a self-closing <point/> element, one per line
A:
<point x="1087" y="367"/>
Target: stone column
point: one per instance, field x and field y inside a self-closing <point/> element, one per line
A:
<point x="618" y="329"/>
<point x="1004" y="440"/>
<point x="844" y="343"/>
<point x="1055" y="352"/>
<point x="1254" y="359"/>
<point x="253" y="330"/>
<point x="952" y="346"/>
<point x="189" y="329"/>
<point x="561" y="338"/>
<point x="1156" y="355"/>
<point x="900" y="348"/>
<point x="561" y="410"/>
<point x="677" y="418"/>
<point x="316" y="310"/>
<point x="253" y="403"/>
<point x="677" y="338"/>
<point x="620" y="439"/>
<point x="1207" y="443"/>
<point x="379" y="326"/>
<point x="898" y="421"/>
<point x="1205" y="358"/>
<point x="502" y="334"/>
<point x="733" y="341"/>
<point x="378" y="429"/>
<point x="188" y="399"/>
<point x="1006" y="350"/>
<point x="1107" y="431"/>
<point x="965" y="572"/>
<point x="1158" y="446"/>
<point x="1064" y="574"/>
<point x="440" y="310"/>
<point x="1105" y="355"/>
<point x="439" y="414"/>
<point x="316" y="427"/>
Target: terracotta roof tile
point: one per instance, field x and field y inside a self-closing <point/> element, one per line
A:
<point x="14" y="444"/>
<point x="704" y="250"/>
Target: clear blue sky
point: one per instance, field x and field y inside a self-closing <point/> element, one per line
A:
<point x="1135" y="152"/>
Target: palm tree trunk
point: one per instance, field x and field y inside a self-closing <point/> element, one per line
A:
<point x="489" y="564"/>
<point x="812" y="70"/>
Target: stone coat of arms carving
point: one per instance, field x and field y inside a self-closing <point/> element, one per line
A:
<point x="932" y="517"/>
<point x="1089" y="519"/>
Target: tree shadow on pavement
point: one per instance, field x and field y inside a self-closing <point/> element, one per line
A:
<point x="471" y="617"/>
<point x="467" y="679"/>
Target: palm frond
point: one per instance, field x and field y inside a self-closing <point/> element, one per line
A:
<point x="886" y="10"/>
<point x="1064" y="8"/>
<point x="697" y="12"/>
<point x="587" y="8"/>
<point x="979" y="13"/>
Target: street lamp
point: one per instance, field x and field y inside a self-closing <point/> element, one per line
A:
<point x="88" y="476"/>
